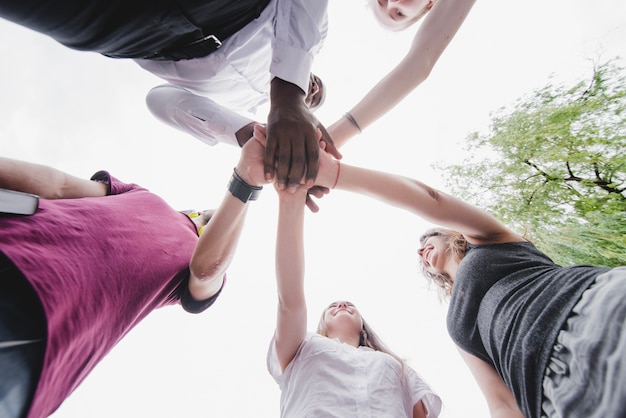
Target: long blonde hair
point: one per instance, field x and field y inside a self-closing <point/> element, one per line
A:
<point x="457" y="246"/>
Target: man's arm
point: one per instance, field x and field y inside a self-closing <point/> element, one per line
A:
<point x="217" y="244"/>
<point x="47" y="182"/>
<point x="292" y="149"/>
<point x="198" y="116"/>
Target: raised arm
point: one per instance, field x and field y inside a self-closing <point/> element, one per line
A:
<point x="435" y="206"/>
<point x="500" y="399"/>
<point x="47" y="182"/>
<point x="440" y="25"/>
<point x="217" y="244"/>
<point x="292" y="150"/>
<point x="291" y="319"/>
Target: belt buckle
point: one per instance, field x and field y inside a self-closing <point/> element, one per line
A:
<point x="212" y="38"/>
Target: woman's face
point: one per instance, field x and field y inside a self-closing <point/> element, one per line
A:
<point x="434" y="254"/>
<point x="342" y="316"/>
<point x="397" y="14"/>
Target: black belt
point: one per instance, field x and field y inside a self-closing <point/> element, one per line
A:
<point x="196" y="49"/>
<point x="207" y="44"/>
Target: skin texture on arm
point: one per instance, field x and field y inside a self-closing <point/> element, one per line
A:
<point x="291" y="320"/>
<point x="47" y="182"/>
<point x="440" y="25"/>
<point x="435" y="206"/>
<point x="217" y="244"/>
<point x="500" y="400"/>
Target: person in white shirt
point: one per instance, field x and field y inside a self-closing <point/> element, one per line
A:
<point x="343" y="369"/>
<point x="287" y="32"/>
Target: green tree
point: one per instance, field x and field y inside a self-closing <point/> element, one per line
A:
<point x="554" y="164"/>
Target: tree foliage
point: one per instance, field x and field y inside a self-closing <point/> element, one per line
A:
<point x="554" y="164"/>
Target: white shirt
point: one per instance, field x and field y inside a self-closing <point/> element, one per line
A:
<point x="282" y="42"/>
<point x="328" y="378"/>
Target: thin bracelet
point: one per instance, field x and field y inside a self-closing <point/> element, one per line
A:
<point x="338" y="171"/>
<point x="352" y="121"/>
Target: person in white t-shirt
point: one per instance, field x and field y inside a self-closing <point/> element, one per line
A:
<point x="343" y="369"/>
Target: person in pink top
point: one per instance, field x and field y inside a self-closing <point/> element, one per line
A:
<point x="95" y="259"/>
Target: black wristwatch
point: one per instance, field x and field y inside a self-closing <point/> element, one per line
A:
<point x="242" y="190"/>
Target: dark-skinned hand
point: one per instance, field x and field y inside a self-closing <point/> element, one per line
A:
<point x="292" y="148"/>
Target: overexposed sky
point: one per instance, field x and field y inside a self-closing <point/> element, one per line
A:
<point x="82" y="112"/>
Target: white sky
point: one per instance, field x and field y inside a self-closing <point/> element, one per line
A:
<point x="81" y="112"/>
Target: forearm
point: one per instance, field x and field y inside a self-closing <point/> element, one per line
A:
<point x="300" y="29"/>
<point x="414" y="196"/>
<point x="47" y="182"/>
<point x="216" y="247"/>
<point x="291" y="320"/>
<point x="196" y="115"/>
<point x="290" y="251"/>
<point x="432" y="38"/>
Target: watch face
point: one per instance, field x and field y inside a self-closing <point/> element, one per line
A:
<point x="241" y="190"/>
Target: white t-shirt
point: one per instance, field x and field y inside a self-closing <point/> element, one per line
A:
<point x="328" y="378"/>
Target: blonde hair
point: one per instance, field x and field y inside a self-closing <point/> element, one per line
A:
<point x="457" y="246"/>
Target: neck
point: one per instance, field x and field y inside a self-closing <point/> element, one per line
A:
<point x="350" y="339"/>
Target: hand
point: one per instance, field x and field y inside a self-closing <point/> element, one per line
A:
<point x="250" y="165"/>
<point x="292" y="150"/>
<point x="328" y="169"/>
<point x="315" y="191"/>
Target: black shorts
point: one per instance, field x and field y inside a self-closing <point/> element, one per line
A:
<point x="22" y="341"/>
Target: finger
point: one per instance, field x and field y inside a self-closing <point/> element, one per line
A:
<point x="310" y="203"/>
<point x="330" y="144"/>
<point x="269" y="158"/>
<point x="319" y="191"/>
<point x="259" y="133"/>
<point x="297" y="164"/>
<point x="312" y="162"/>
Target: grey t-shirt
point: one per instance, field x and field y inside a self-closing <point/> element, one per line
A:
<point x="508" y="304"/>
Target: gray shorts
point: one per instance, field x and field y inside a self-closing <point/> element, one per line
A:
<point x="586" y="374"/>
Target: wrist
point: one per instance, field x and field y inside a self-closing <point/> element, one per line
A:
<point x="241" y="189"/>
<point x="284" y="92"/>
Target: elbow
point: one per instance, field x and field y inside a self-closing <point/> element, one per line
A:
<point x="206" y="271"/>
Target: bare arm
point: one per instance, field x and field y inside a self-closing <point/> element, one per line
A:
<point x="500" y="399"/>
<point x="47" y="182"/>
<point x="292" y="314"/>
<point x="419" y="410"/>
<point x="217" y="244"/>
<point x="435" y="206"/>
<point x="433" y="36"/>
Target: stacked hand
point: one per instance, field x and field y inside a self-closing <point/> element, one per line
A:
<point x="292" y="148"/>
<point x="326" y="173"/>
